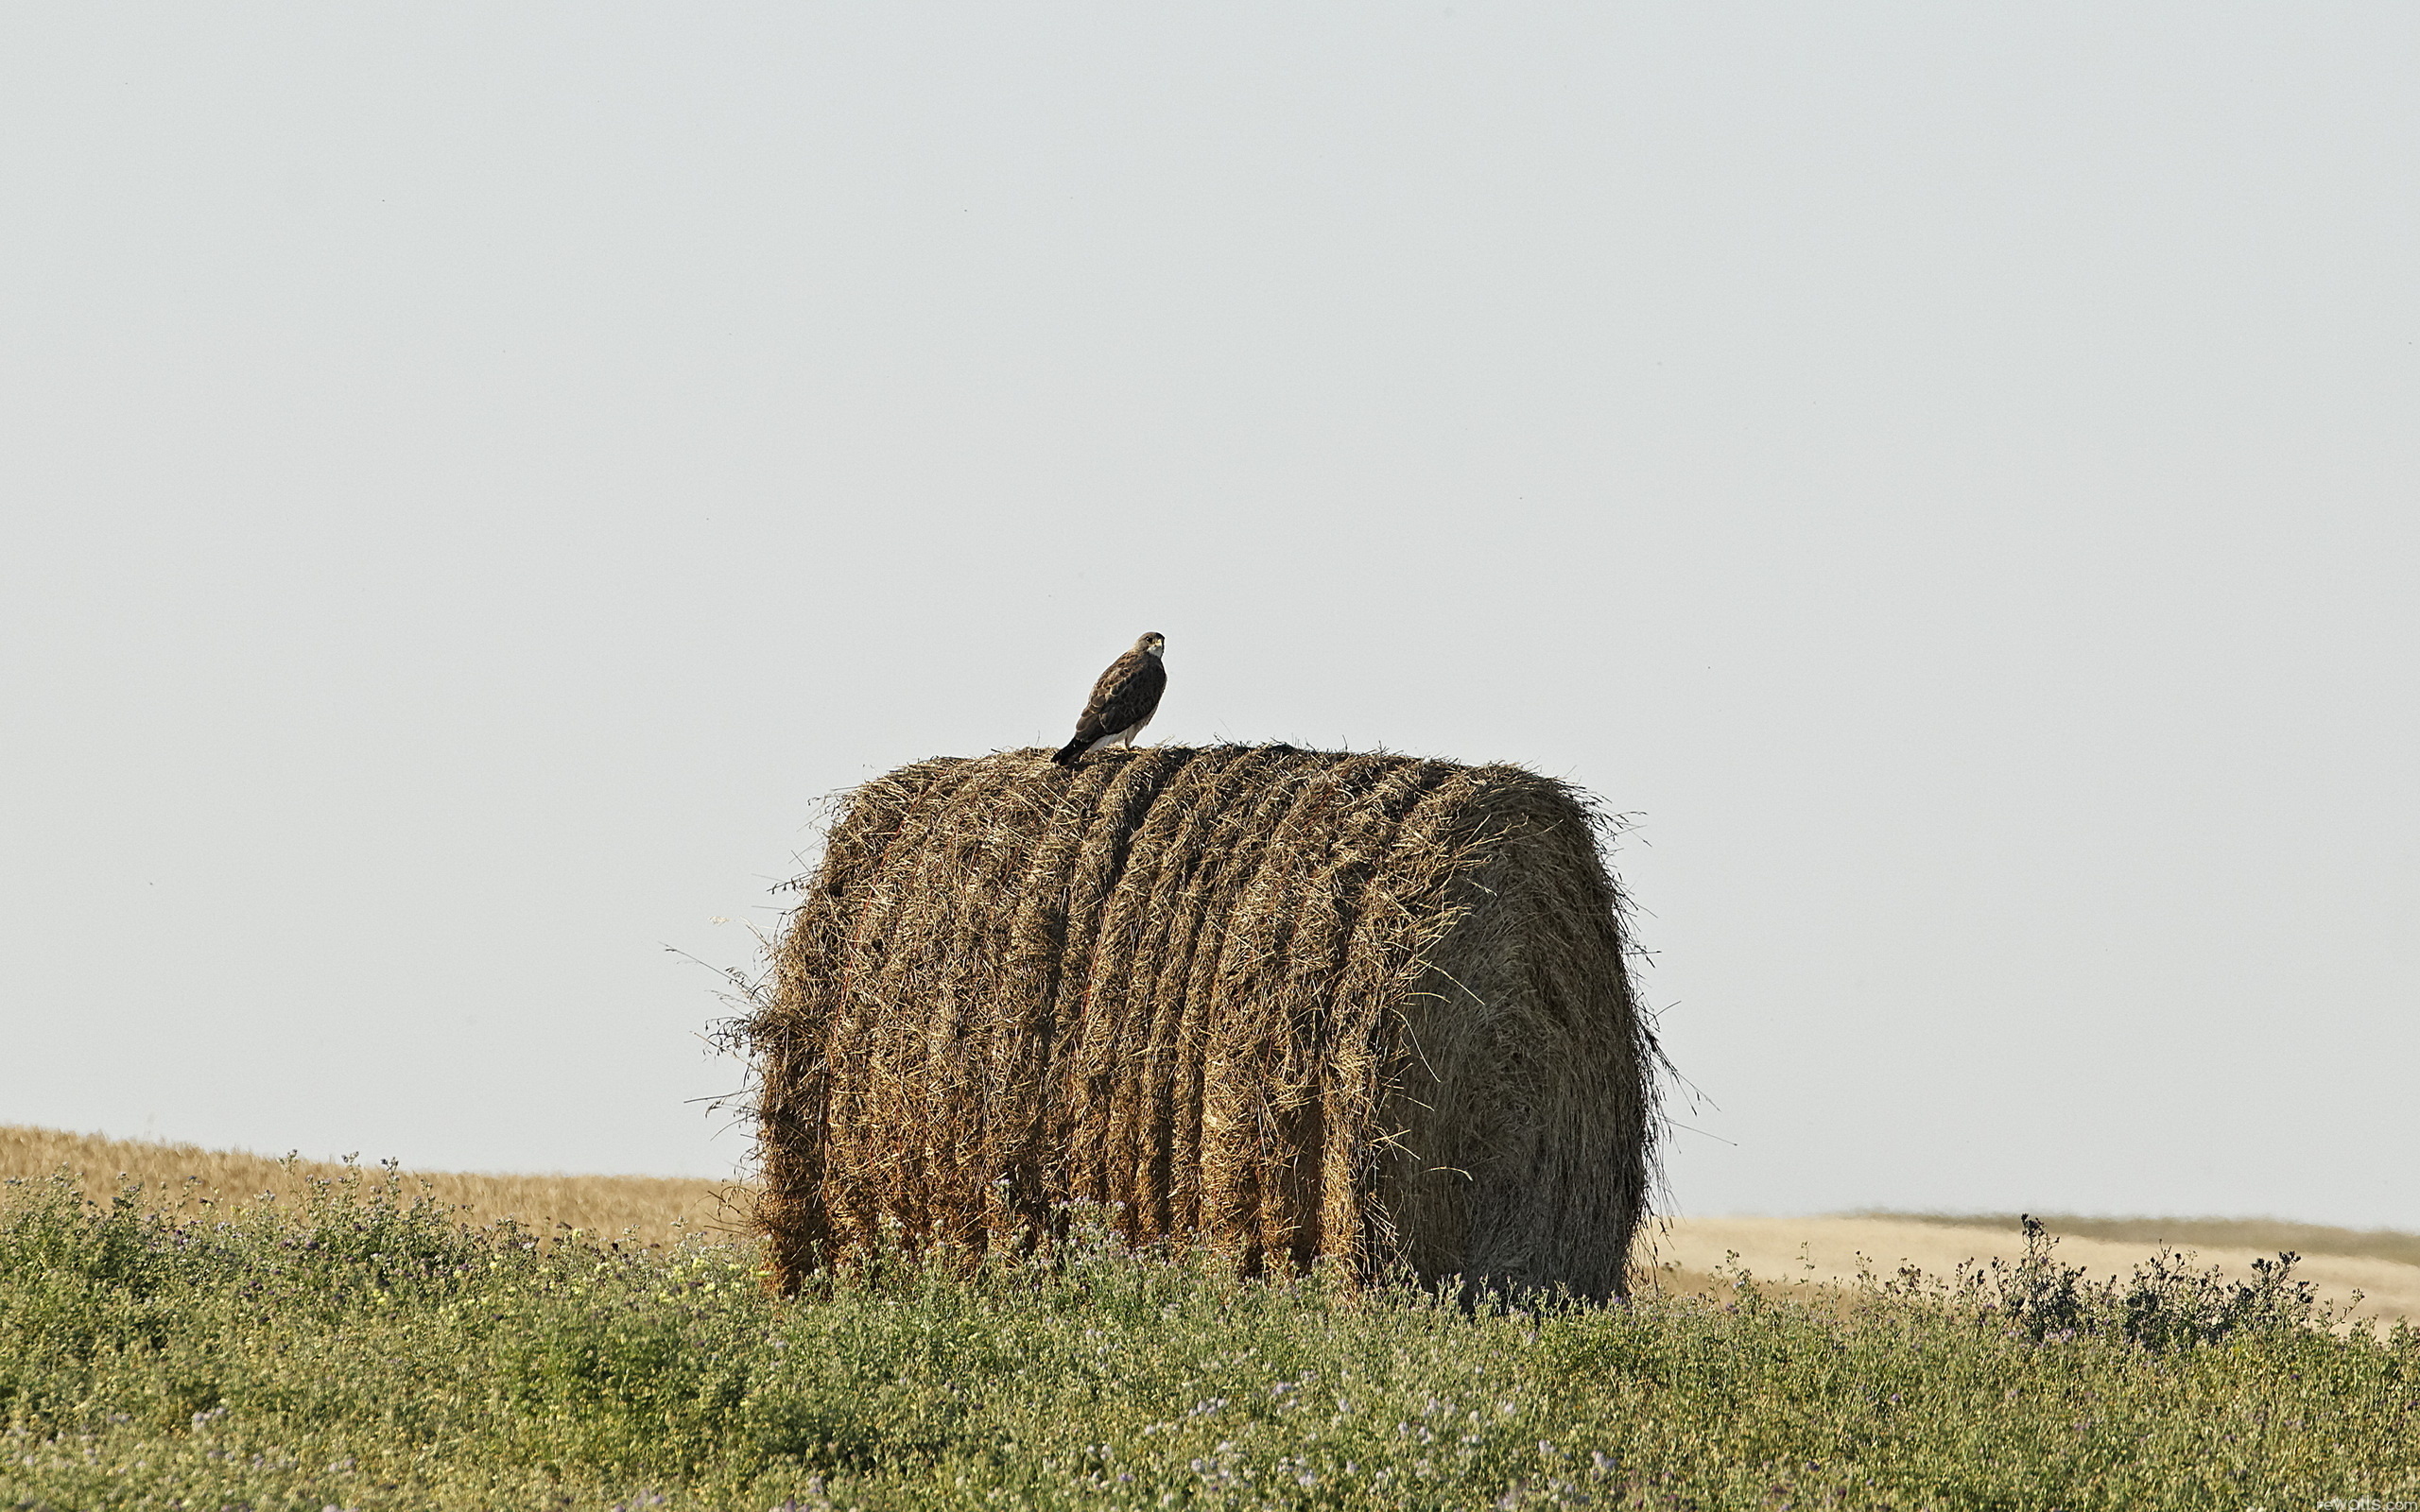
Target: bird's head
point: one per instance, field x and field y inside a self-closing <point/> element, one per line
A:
<point x="1153" y="644"/>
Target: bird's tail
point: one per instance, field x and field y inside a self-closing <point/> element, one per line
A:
<point x="1068" y="752"/>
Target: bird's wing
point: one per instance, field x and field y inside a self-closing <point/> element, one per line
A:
<point x="1125" y="697"/>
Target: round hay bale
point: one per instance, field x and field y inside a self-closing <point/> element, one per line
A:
<point x="1295" y="1005"/>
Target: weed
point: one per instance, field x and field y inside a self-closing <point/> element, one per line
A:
<point x="361" y="1346"/>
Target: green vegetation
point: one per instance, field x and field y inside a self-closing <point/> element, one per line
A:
<point x="360" y="1348"/>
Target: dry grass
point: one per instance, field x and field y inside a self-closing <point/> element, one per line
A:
<point x="1691" y="1251"/>
<point x="1831" y="1252"/>
<point x="655" y="1210"/>
<point x="2262" y="1234"/>
<point x="1305" y="1005"/>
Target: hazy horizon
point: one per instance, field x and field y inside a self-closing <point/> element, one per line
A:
<point x="476" y="479"/>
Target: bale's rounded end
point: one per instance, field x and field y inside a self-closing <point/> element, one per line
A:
<point x="1298" y="1005"/>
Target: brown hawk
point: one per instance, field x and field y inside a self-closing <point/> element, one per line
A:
<point x="1123" y="701"/>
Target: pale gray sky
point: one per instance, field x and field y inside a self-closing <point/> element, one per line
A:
<point x="476" y="475"/>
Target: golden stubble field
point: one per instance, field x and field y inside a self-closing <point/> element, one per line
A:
<point x="1831" y="1251"/>
<point x="182" y="1177"/>
<point x="1689" y="1254"/>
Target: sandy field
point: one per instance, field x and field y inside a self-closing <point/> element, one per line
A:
<point x="1833" y="1250"/>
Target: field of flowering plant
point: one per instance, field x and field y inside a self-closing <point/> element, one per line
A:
<point x="363" y="1348"/>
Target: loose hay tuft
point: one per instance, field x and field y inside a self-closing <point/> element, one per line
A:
<point x="1299" y="1004"/>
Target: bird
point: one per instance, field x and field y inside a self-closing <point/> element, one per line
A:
<point x="1123" y="700"/>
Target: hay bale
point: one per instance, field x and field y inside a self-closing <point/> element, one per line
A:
<point x="1299" y="1004"/>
